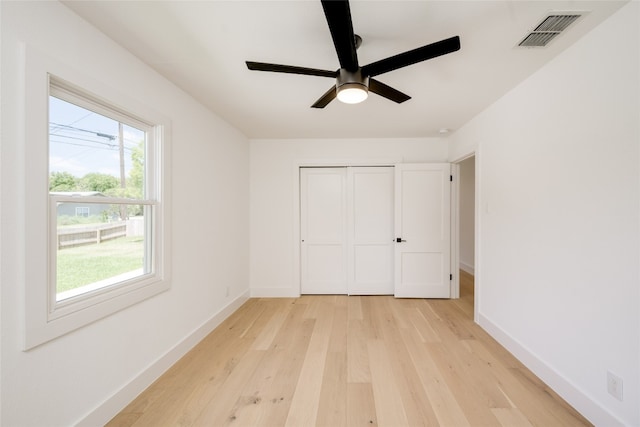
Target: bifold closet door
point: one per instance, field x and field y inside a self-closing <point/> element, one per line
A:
<point x="323" y="230"/>
<point x="346" y="230"/>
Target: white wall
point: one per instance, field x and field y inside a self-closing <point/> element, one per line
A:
<point x="95" y="370"/>
<point x="467" y="214"/>
<point x="559" y="192"/>
<point x="273" y="178"/>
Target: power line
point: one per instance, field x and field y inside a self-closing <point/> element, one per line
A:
<point x="111" y="147"/>
<point x="131" y="142"/>
<point x="81" y="118"/>
<point x="94" y="132"/>
<point x="103" y="135"/>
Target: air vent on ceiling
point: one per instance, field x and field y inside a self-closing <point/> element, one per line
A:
<point x="550" y="27"/>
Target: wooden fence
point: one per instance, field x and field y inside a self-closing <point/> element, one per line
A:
<point x="90" y="235"/>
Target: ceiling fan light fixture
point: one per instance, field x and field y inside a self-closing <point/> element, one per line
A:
<point x="354" y="82"/>
<point x="352" y="87"/>
<point x="352" y="93"/>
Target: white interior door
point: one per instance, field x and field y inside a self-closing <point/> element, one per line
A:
<point x="370" y="230"/>
<point x="422" y="222"/>
<point x="323" y="230"/>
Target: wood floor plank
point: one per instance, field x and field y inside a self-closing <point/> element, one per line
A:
<point x="265" y="339"/>
<point x="304" y="406"/>
<point x="444" y="403"/>
<point x="421" y="326"/>
<point x="370" y="317"/>
<point x="266" y="396"/>
<point x="415" y="400"/>
<point x="282" y="388"/>
<point x="389" y="408"/>
<point x="357" y="353"/>
<point x="511" y="417"/>
<point x="254" y="399"/>
<point x="285" y="337"/>
<point x="332" y="408"/>
<point x="354" y="307"/>
<point x="350" y="361"/>
<point x="361" y="407"/>
<point x="475" y="397"/>
<point x="450" y="316"/>
<point x="339" y="331"/>
<point x="219" y="409"/>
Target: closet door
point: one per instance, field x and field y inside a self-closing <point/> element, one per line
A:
<point x="370" y="241"/>
<point x="323" y="223"/>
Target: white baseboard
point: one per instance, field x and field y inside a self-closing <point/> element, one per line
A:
<point x="584" y="404"/>
<point x="114" y="404"/>
<point x="274" y="293"/>
<point x="466" y="267"/>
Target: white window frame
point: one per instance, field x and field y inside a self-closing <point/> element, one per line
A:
<point x="45" y="318"/>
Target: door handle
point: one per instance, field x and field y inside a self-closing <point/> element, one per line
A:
<point x="400" y="240"/>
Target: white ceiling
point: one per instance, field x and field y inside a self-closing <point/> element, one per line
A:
<point x="201" y="46"/>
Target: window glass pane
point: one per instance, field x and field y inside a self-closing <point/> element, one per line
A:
<point x="92" y="156"/>
<point x="99" y="250"/>
<point x="89" y="152"/>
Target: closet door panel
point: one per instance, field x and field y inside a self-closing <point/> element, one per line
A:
<point x="370" y="230"/>
<point x="323" y="223"/>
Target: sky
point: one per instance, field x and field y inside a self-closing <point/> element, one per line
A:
<point x="82" y="141"/>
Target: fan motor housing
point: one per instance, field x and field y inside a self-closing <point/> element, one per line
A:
<point x="352" y="79"/>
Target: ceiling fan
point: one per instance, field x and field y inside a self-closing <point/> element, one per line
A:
<point x="353" y="82"/>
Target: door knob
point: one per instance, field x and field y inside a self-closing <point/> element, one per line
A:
<point x="399" y="240"/>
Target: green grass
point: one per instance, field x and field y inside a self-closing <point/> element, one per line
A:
<point x="88" y="264"/>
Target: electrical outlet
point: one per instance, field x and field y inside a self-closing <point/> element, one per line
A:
<point x="614" y="385"/>
<point x="227" y="291"/>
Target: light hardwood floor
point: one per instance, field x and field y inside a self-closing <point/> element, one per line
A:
<point x="350" y="361"/>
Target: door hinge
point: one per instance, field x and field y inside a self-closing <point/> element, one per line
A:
<point x="451" y="178"/>
<point x="451" y="277"/>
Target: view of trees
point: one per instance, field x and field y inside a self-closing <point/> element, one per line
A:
<point x="62" y="181"/>
<point x="106" y="184"/>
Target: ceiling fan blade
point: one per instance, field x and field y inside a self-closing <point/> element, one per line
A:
<point x="329" y="96"/>
<point x="338" y="17"/>
<point x="277" y="68"/>
<point x="387" y="91"/>
<point x="412" y="57"/>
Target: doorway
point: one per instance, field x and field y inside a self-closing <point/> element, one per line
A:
<point x="467" y="229"/>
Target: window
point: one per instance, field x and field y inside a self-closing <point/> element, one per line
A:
<point x="82" y="211"/>
<point x="97" y="157"/>
<point x="96" y="204"/>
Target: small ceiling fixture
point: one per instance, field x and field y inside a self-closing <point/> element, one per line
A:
<point x="352" y="87"/>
